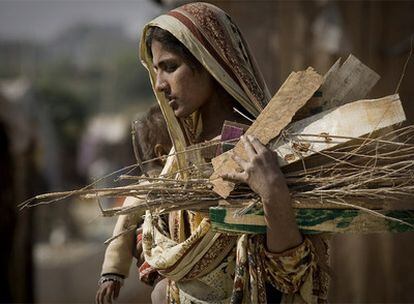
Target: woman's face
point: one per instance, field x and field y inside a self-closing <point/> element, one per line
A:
<point x="185" y="89"/>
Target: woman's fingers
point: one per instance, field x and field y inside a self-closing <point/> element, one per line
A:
<point x="257" y="145"/>
<point x="253" y="146"/>
<point x="237" y="176"/>
<point x="251" y="167"/>
<point x="248" y="147"/>
<point x="240" y="161"/>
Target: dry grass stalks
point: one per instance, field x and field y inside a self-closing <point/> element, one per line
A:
<point x="365" y="169"/>
<point x="361" y="174"/>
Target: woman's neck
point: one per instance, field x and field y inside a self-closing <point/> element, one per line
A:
<point x="215" y="112"/>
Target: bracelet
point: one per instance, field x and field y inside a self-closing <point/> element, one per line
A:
<point x="110" y="277"/>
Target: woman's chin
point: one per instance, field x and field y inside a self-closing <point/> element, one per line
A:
<point x="181" y="114"/>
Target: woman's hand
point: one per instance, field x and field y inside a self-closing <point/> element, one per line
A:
<point x="263" y="175"/>
<point x="261" y="171"/>
<point x="107" y="292"/>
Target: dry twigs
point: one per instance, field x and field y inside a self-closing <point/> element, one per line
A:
<point x="366" y="169"/>
<point x="372" y="173"/>
<point x="360" y="174"/>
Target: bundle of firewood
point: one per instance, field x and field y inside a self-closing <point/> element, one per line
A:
<point x="346" y="159"/>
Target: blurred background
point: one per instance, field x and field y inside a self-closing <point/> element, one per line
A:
<point x="70" y="85"/>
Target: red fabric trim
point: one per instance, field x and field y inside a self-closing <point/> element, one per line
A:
<point x="147" y="274"/>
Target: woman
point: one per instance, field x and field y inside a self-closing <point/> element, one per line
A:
<point x="200" y="68"/>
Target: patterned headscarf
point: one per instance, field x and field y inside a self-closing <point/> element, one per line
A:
<point x="216" y="42"/>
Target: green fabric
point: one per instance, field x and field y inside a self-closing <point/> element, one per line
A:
<point x="313" y="221"/>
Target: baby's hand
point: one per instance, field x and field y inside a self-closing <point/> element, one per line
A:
<point x="107" y="292"/>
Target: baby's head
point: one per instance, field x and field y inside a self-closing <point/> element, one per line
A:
<point x="151" y="138"/>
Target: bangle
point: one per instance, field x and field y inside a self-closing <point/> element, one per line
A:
<point x="110" y="277"/>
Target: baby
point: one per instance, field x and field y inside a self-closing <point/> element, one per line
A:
<point x="151" y="141"/>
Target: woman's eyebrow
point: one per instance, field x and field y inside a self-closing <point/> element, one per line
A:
<point x="163" y="63"/>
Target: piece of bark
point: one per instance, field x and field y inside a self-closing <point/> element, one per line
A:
<point x="350" y="120"/>
<point x="293" y="94"/>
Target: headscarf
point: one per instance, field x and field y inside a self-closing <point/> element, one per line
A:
<point x="217" y="43"/>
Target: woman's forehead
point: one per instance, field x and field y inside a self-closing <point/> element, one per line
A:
<point x="161" y="54"/>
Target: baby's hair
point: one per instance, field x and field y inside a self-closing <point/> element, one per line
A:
<point x="151" y="130"/>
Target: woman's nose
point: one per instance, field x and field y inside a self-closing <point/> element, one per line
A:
<point x="160" y="84"/>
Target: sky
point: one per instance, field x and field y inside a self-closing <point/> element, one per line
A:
<point x="45" y="19"/>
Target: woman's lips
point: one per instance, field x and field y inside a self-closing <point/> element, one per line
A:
<point x="173" y="104"/>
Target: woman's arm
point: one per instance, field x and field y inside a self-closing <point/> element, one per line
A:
<point x="262" y="173"/>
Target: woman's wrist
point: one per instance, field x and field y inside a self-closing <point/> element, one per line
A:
<point x="277" y="243"/>
<point x="276" y="197"/>
<point x="280" y="216"/>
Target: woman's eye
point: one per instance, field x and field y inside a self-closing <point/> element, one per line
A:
<point x="170" y="68"/>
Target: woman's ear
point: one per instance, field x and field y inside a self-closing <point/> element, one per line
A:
<point x="159" y="150"/>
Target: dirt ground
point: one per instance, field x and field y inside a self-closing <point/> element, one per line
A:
<point x="69" y="274"/>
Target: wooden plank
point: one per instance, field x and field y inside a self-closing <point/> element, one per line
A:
<point x="293" y="94"/>
<point x="343" y="83"/>
<point x="311" y="221"/>
<point x="307" y="203"/>
<point x="372" y="204"/>
<point x="350" y="120"/>
<point x="352" y="81"/>
<point x="333" y="70"/>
